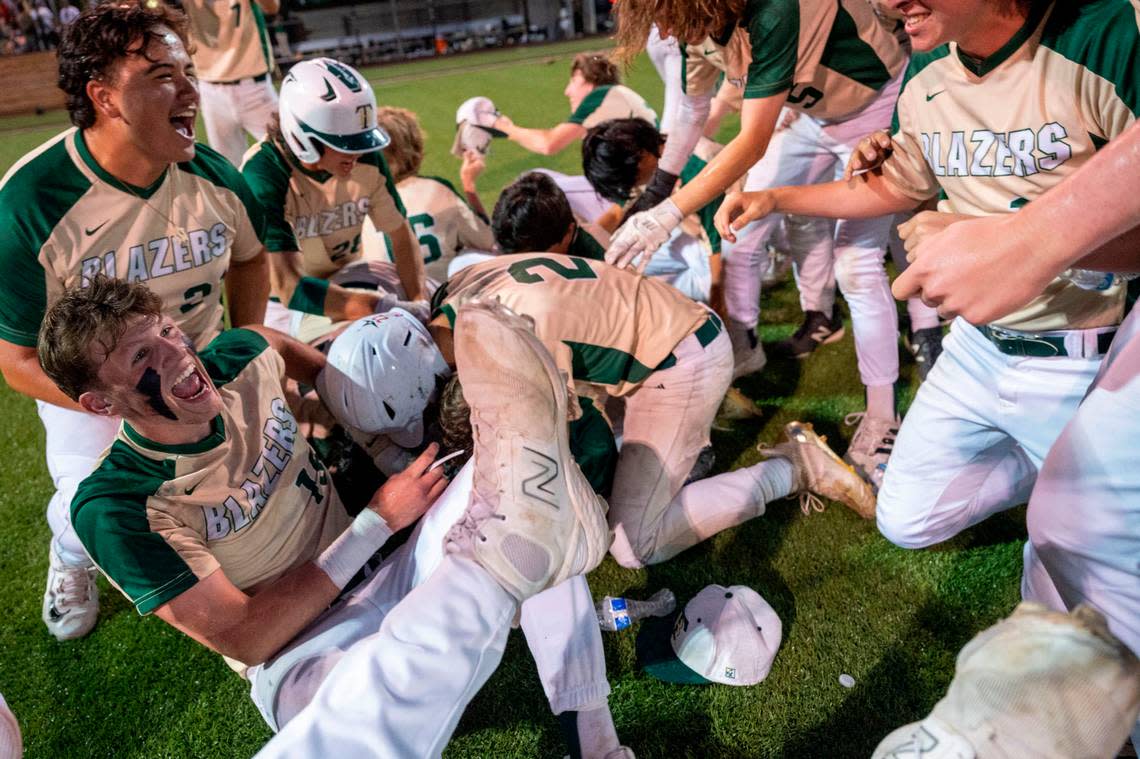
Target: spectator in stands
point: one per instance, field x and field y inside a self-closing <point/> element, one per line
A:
<point x="45" y="25"/>
<point x="67" y="13"/>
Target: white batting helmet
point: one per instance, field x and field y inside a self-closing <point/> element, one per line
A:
<point x="475" y="126"/>
<point x="328" y="101"/>
<point x="387" y="367"/>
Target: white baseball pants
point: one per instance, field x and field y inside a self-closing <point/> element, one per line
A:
<point x="808" y="151"/>
<point x="76" y="441"/>
<point x="231" y="110"/>
<point x="666" y="57"/>
<point x="444" y="618"/>
<point x="975" y="436"/>
<point x="1084" y="514"/>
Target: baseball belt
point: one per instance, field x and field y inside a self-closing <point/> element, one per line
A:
<point x="1045" y="344"/>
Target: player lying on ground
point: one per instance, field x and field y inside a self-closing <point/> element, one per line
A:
<point x="994" y="404"/>
<point x="443" y="221"/>
<point x="210" y="511"/>
<point x="318" y="174"/>
<point x="617" y="334"/>
<point x="595" y="93"/>
<point x="128" y="193"/>
<point x="837" y="69"/>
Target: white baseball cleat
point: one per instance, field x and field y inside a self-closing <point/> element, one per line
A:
<point x="1040" y="684"/>
<point x="71" y="601"/>
<point x="818" y="471"/>
<point x="533" y="520"/>
<point x="11" y="742"/>
<point x="871" y="447"/>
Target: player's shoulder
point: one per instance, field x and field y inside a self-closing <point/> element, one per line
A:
<point x="116" y="492"/>
<point x="1101" y="35"/>
<point x="215" y="168"/>
<point x="228" y="354"/>
<point x="45" y="175"/>
<point x="920" y="62"/>
<point x="439" y="182"/>
<point x="592" y="102"/>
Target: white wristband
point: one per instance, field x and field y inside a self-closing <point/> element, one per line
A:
<point x="346" y="555"/>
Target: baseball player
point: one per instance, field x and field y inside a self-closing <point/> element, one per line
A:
<point x="996" y="110"/>
<point x="595" y="94"/>
<point x="840" y="69"/>
<point x="217" y="517"/>
<point x="443" y="221"/>
<point x="613" y="332"/>
<point x="127" y="192"/>
<point x="318" y="175"/>
<point x="234" y="59"/>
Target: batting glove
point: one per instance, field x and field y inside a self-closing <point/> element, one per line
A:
<point x="643" y="234"/>
<point x="420" y="309"/>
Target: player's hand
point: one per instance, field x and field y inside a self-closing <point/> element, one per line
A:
<point x="644" y="233"/>
<point x="473" y="166"/>
<point x="660" y="186"/>
<point x="868" y="155"/>
<point x="420" y="309"/>
<point x="503" y="123"/>
<point x="922" y="225"/>
<point x="406" y="496"/>
<point x="964" y="270"/>
<point x="739" y="208"/>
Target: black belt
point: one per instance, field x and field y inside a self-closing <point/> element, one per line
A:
<point x="1039" y="345"/>
<point x="258" y="78"/>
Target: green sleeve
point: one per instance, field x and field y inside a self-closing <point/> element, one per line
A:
<point x="706" y="214"/>
<point x="774" y="33"/>
<point x="212" y="166"/>
<point x="592" y="445"/>
<point x="230" y="352"/>
<point x="584" y="245"/>
<point x="589" y="104"/>
<point x="109" y="516"/>
<point x="267" y="175"/>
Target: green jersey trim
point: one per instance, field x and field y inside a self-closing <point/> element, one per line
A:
<point x="593" y="447"/>
<point x="263" y="36"/>
<point x="230" y="353"/>
<point x="309" y="296"/>
<point x="216" y="437"/>
<point x="605" y="366"/>
<point x="34" y="197"/>
<point x="584" y="245"/>
<point x="109" y="516"/>
<point x="918" y="61"/>
<point x="706" y="214"/>
<point x="267" y="173"/>
<point x="774" y="33"/>
<point x="376" y="158"/>
<point x="210" y="165"/>
<point x="111" y="179"/>
<point x="589" y="104"/>
<point x="981" y="67"/>
<point x="846" y="53"/>
<point x="446" y="184"/>
<point x="1102" y="36"/>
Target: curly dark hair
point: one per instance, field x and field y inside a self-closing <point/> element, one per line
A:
<point x="611" y="155"/>
<point x="102" y="36"/>
<point x="532" y="215"/>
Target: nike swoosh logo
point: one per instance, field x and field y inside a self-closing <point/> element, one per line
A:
<point x="330" y="93"/>
<point x="190" y="490"/>
<point x="90" y="231"/>
<point x="936" y="94"/>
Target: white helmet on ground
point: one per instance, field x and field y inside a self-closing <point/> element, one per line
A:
<point x="327" y="101"/>
<point x="475" y="126"/>
<point x="381" y="375"/>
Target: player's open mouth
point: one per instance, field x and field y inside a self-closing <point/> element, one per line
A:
<point x="914" y="21"/>
<point x="184" y="124"/>
<point x="190" y="385"/>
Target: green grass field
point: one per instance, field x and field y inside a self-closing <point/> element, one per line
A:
<point x="850" y="602"/>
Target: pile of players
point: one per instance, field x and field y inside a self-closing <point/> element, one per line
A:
<point x="192" y="332"/>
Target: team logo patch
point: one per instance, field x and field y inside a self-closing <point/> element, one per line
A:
<point x="730" y="673"/>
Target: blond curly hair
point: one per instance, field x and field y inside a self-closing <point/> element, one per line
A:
<point x="405" y="153"/>
<point x="683" y="19"/>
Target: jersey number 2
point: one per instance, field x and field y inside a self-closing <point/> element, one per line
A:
<point x="521" y="270"/>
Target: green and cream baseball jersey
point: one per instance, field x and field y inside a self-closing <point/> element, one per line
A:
<point x="64" y="219"/>
<point x="995" y="134"/>
<point x="230" y="39"/>
<point x="250" y="499"/>
<point x="831" y="56"/>
<point x="603" y="325"/>
<point x="317" y="213"/>
<point x="442" y="221"/>
<point x="611" y="101"/>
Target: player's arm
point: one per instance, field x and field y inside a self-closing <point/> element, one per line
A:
<point x="303" y="362"/>
<point x="409" y="261"/>
<point x="252" y="628"/>
<point x="269" y="7"/>
<point x="314" y="295"/>
<point x="247" y="290"/>
<point x="388" y="215"/>
<point x="21" y="369"/>
<point x="541" y="141"/>
<point x="469" y="172"/>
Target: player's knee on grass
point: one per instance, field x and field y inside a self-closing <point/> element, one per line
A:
<point x="532" y="216"/>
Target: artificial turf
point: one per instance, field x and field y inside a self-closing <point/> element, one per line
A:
<point x="850" y="602"/>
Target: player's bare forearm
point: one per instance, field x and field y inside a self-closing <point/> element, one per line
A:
<point x="21" y="369"/>
<point x="250" y="628"/>
<point x="546" y="141"/>
<point x="302" y="362"/>
<point x="409" y="262"/>
<point x="1120" y="255"/>
<point x="757" y="123"/>
<point x="247" y="290"/>
<point x="843" y="200"/>
<point x="339" y="304"/>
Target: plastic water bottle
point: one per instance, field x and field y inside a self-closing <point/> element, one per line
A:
<point x="619" y="613"/>
<point x="1086" y="279"/>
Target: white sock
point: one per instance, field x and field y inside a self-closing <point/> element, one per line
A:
<point x="881" y="401"/>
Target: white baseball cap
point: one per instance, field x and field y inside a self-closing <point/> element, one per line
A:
<point x="475" y="126"/>
<point x="724" y="635"/>
<point x="1040" y="684"/>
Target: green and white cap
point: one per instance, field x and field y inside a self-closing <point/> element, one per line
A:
<point x="328" y="101"/>
<point x="724" y="635"/>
